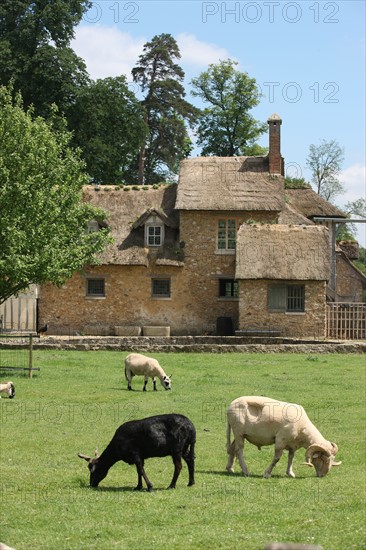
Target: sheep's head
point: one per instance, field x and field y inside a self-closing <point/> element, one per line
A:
<point x="321" y="458"/>
<point x="167" y="382"/>
<point x="97" y="472"/>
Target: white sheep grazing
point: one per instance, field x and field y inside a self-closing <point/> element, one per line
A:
<point x="9" y="388"/>
<point x="140" y="365"/>
<point x="264" y="421"/>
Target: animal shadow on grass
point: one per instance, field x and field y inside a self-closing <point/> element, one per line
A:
<point x="83" y="484"/>
<point x="224" y="473"/>
<point x="238" y="474"/>
<point x="129" y="489"/>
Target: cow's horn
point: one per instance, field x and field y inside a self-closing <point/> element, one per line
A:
<point x="335" y="447"/>
<point x="313" y="449"/>
<point x="307" y="464"/>
<point x="96" y="453"/>
<point x="85" y="457"/>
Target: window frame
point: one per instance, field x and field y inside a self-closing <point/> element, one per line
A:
<point x="93" y="226"/>
<point x="280" y="297"/>
<point x="93" y="295"/>
<point x="158" y="295"/>
<point x="154" y="222"/>
<point x="233" y="289"/>
<point x="226" y="234"/>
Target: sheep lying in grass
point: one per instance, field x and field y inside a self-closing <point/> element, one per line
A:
<point x="9" y="388"/>
<point x="140" y="365"/>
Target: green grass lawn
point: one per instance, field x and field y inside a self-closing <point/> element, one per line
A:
<point x="78" y="399"/>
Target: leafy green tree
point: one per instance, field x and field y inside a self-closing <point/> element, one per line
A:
<point x="361" y="264"/>
<point x="166" y="110"/>
<point x="325" y="163"/>
<point x="35" y="54"/>
<point x="43" y="222"/>
<point x="108" y="125"/>
<point x="226" y="127"/>
<point x="353" y="208"/>
<point x="356" y="207"/>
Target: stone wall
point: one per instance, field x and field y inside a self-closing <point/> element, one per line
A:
<point x="194" y="305"/>
<point x="254" y="313"/>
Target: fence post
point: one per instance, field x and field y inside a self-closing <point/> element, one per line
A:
<point x="30" y="356"/>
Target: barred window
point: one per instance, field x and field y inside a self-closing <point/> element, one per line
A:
<point x="295" y="298"/>
<point x="286" y="298"/>
<point x="95" y="287"/>
<point x="160" y="288"/>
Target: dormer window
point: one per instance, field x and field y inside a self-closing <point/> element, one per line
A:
<point x="154" y="222"/>
<point x="154" y="232"/>
<point x="93" y="226"/>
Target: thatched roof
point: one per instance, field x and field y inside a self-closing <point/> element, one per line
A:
<point x="290" y="216"/>
<point x="229" y="183"/>
<point x="310" y="204"/>
<point x="126" y="210"/>
<point x="285" y="252"/>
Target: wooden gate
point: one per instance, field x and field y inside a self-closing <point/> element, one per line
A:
<point x="346" y="321"/>
<point x="19" y="314"/>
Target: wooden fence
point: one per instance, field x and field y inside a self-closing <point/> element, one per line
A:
<point x="19" y="314"/>
<point x="346" y="321"/>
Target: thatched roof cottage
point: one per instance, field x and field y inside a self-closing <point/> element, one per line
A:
<point x="228" y="242"/>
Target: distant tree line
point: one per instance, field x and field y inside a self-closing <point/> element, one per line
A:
<point x="123" y="138"/>
<point x="126" y="139"/>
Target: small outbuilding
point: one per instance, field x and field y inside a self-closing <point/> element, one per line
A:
<point x="282" y="271"/>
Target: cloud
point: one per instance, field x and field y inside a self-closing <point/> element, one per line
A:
<point x="106" y="50"/>
<point x="197" y="53"/>
<point x="354" y="178"/>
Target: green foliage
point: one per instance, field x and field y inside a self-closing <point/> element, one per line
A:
<point x="43" y="220"/>
<point x="77" y="400"/>
<point x="35" y="54"/>
<point x="345" y="232"/>
<point x="361" y="262"/>
<point x="296" y="183"/>
<point x="357" y="207"/>
<point x="226" y="127"/>
<point x="166" y="110"/>
<point x="108" y="125"/>
<point x="325" y="162"/>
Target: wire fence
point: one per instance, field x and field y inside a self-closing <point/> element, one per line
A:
<point x="16" y="354"/>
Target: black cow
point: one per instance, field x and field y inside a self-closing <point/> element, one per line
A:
<point x="162" y="435"/>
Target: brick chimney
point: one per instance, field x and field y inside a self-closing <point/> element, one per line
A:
<point x="276" y="163"/>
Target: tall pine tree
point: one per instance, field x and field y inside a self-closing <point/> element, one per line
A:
<point x="166" y="110"/>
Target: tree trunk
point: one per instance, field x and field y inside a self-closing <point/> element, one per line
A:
<point x="141" y="173"/>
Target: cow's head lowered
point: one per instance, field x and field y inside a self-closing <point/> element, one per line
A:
<point x="321" y="458"/>
<point x="97" y="472"/>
